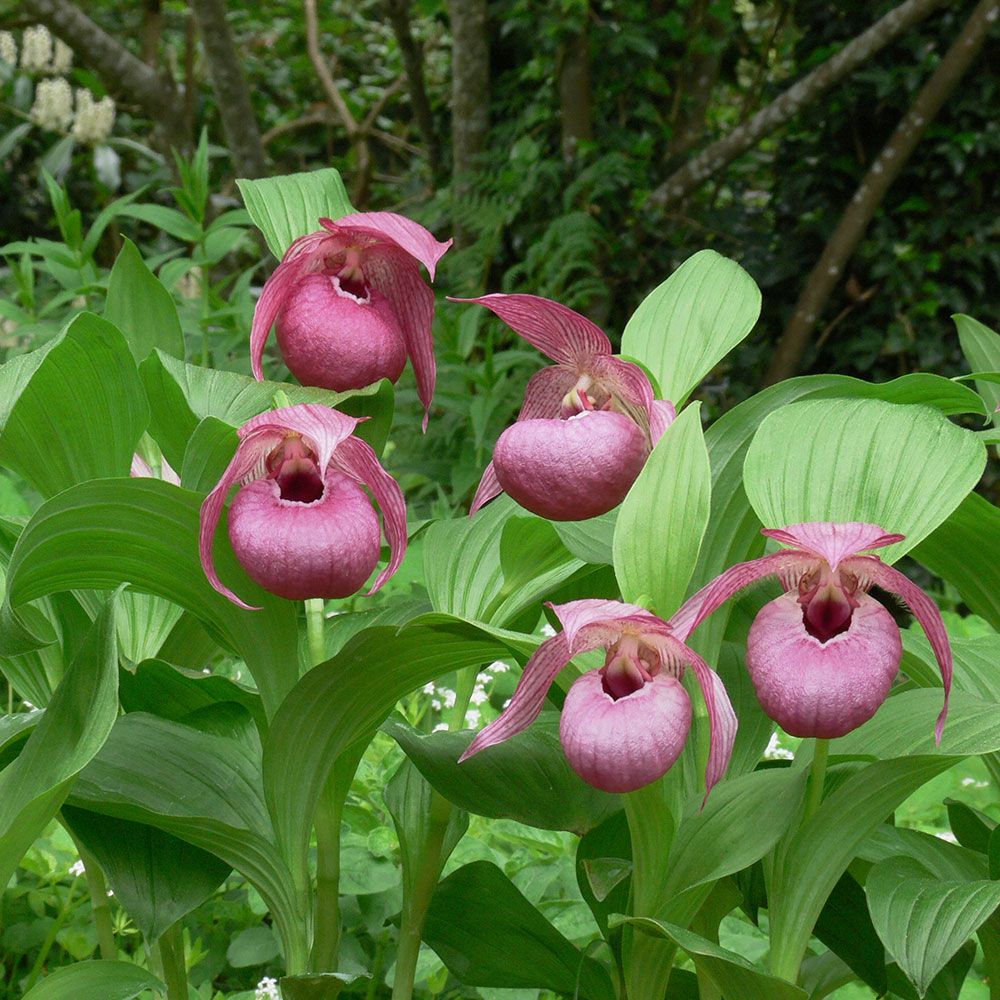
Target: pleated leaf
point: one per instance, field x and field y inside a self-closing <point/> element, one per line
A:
<point x="97" y="980"/>
<point x="981" y="347"/>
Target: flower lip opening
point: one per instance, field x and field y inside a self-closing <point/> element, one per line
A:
<point x="350" y="284"/>
<point x="294" y="470"/>
<point x="627" y="669"/>
<point x="827" y="609"/>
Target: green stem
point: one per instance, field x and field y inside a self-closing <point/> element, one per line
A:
<point x="50" y="938"/>
<point x="326" y="942"/>
<point x="817" y="775"/>
<point x="171" y="949"/>
<point x="99" y="906"/>
<point x="315" y="624"/>
<point x="206" y="309"/>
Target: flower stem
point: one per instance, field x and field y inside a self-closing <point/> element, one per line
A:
<point x="50" y="938"/>
<point x="171" y="949"/>
<point x="315" y="620"/>
<point x="326" y="942"/>
<point x="817" y="775"/>
<point x="100" y="910"/>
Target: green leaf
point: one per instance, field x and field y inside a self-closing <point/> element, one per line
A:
<point x="923" y="920"/>
<point x="63" y="419"/>
<point x="663" y="518"/>
<point x="506" y="943"/>
<point x="141" y="307"/>
<point x="527" y="778"/>
<point x="975" y="664"/>
<point x="209" y="451"/>
<point x="145" y="532"/>
<point x="252" y="946"/>
<point x="72" y="729"/>
<point x="156" y="878"/>
<point x="320" y="985"/>
<point x="981" y="346"/>
<point x="591" y="540"/>
<point x="688" y="324"/>
<point x="732" y="974"/>
<point x="180" y="395"/>
<point x="905" y="468"/>
<point x="97" y="980"/>
<point x="171" y="221"/>
<point x="285" y="208"/>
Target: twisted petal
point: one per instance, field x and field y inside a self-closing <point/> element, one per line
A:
<point x="661" y="415"/>
<point x="539" y="673"/>
<point x="556" y="330"/>
<point x="489" y="487"/>
<point x="831" y="540"/>
<point x="700" y="605"/>
<point x="303" y="257"/>
<point x="924" y="610"/>
<point x="356" y="459"/>
<point x="388" y="226"/>
<point x="591" y="623"/>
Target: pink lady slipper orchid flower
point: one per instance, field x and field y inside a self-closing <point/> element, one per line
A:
<point x="351" y="305"/>
<point x="587" y="424"/>
<point x="823" y="656"/>
<point x="625" y="724"/>
<point x="141" y="469"/>
<point x="300" y="525"/>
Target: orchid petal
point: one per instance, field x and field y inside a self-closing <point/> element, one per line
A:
<point x="543" y="395"/>
<point x="303" y="257"/>
<point x="357" y="459"/>
<point x="556" y="330"/>
<point x="926" y="612"/>
<point x="526" y="704"/>
<point x="700" y="605"/>
<point x="627" y="382"/>
<point x="405" y="233"/>
<point x="661" y="415"/>
<point x="832" y="540"/>
<point x="489" y="487"/>
<point x="394" y="273"/>
<point x="609" y="616"/>
<point x="322" y="428"/>
<point x="141" y="469"/>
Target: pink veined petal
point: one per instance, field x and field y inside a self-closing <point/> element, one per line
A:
<point x="539" y="673"/>
<point x="251" y="451"/>
<point x="610" y="616"/>
<point x="661" y="415"/>
<point x="167" y="473"/>
<point x="489" y="487"/>
<point x="322" y="428"/>
<point x="301" y="258"/>
<point x="700" y="605"/>
<point x="926" y="612"/>
<point x="556" y="330"/>
<point x="721" y="716"/>
<point x="395" y="274"/>
<point x="405" y="233"/>
<point x="141" y="469"/>
<point x="543" y="395"/>
<point x="357" y="459"/>
<point x="626" y="381"/>
<point x="832" y="540"/>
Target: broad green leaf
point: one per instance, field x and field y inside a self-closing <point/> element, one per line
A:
<point x="168" y="219"/>
<point x="688" y="324"/>
<point x="603" y="872"/>
<point x="139" y="306"/>
<point x="63" y="417"/>
<point x="69" y="733"/>
<point x="981" y="347"/>
<point x="97" y="980"/>
<point x="144" y="623"/>
<point x="591" y="540"/>
<point x="252" y="946"/>
<point x="209" y="450"/>
<point x="342" y="701"/>
<point x="145" y="532"/>
<point x="923" y="920"/>
<point x="965" y="551"/>
<point x="320" y="985"/>
<point x="732" y="974"/>
<point x="180" y="395"/>
<point x="845" y="927"/>
<point x="905" y="468"/>
<point x="527" y="778"/>
<point x="156" y="878"/>
<point x="488" y="934"/>
<point x="975" y="664"/>
<point x="972" y="828"/>
<point x="663" y="518"/>
<point x="285" y="208"/>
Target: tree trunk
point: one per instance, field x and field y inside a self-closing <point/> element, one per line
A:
<point x="413" y="60"/>
<point x="721" y="153"/>
<point x="152" y="31"/>
<point x="576" y="97"/>
<point x="232" y="95"/>
<point x="884" y="170"/>
<point x="470" y="97"/>
<point x="122" y="72"/>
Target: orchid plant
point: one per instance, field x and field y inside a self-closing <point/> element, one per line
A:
<point x="218" y="705"/>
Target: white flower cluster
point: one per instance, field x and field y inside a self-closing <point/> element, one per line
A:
<point x="8" y="48"/>
<point x="40" y="53"/>
<point x="774" y="750"/>
<point x="53" y="105"/>
<point x="76" y="869"/>
<point x="94" y="119"/>
<point x="267" y="989"/>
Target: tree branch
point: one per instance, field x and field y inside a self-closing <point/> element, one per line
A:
<point x="884" y="170"/>
<point x="318" y="60"/>
<point x="720" y="154"/>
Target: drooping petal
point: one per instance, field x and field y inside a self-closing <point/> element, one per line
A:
<point x="700" y="605"/>
<point x="661" y="416"/>
<point x="622" y="745"/>
<point x="526" y="704"/>
<point x="405" y="233"/>
<point x="489" y="487"/>
<point x="556" y="330"/>
<point x="925" y="611"/>
<point x="833" y="541"/>
<point x="356" y="458"/>
<point x="303" y="257"/>
<point x="395" y="274"/>
<point x="544" y="393"/>
<point x="579" y="618"/>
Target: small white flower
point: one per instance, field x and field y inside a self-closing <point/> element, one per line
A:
<point x="53" y="105"/>
<point x="497" y="667"/>
<point x="479" y="696"/>
<point x="62" y="57"/>
<point x="775" y="752"/>
<point x="548" y="630"/>
<point x="472" y="718"/>
<point x="94" y="119"/>
<point x="429" y="688"/>
<point x="36" y="49"/>
<point x="441" y="727"/>
<point x="267" y="989"/>
<point x="449" y="698"/>
<point x="947" y="835"/>
<point x="8" y="48"/>
<point x="76" y="869"/>
<point x="206" y="670"/>
<point x="29" y="706"/>
<point x="110" y="894"/>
